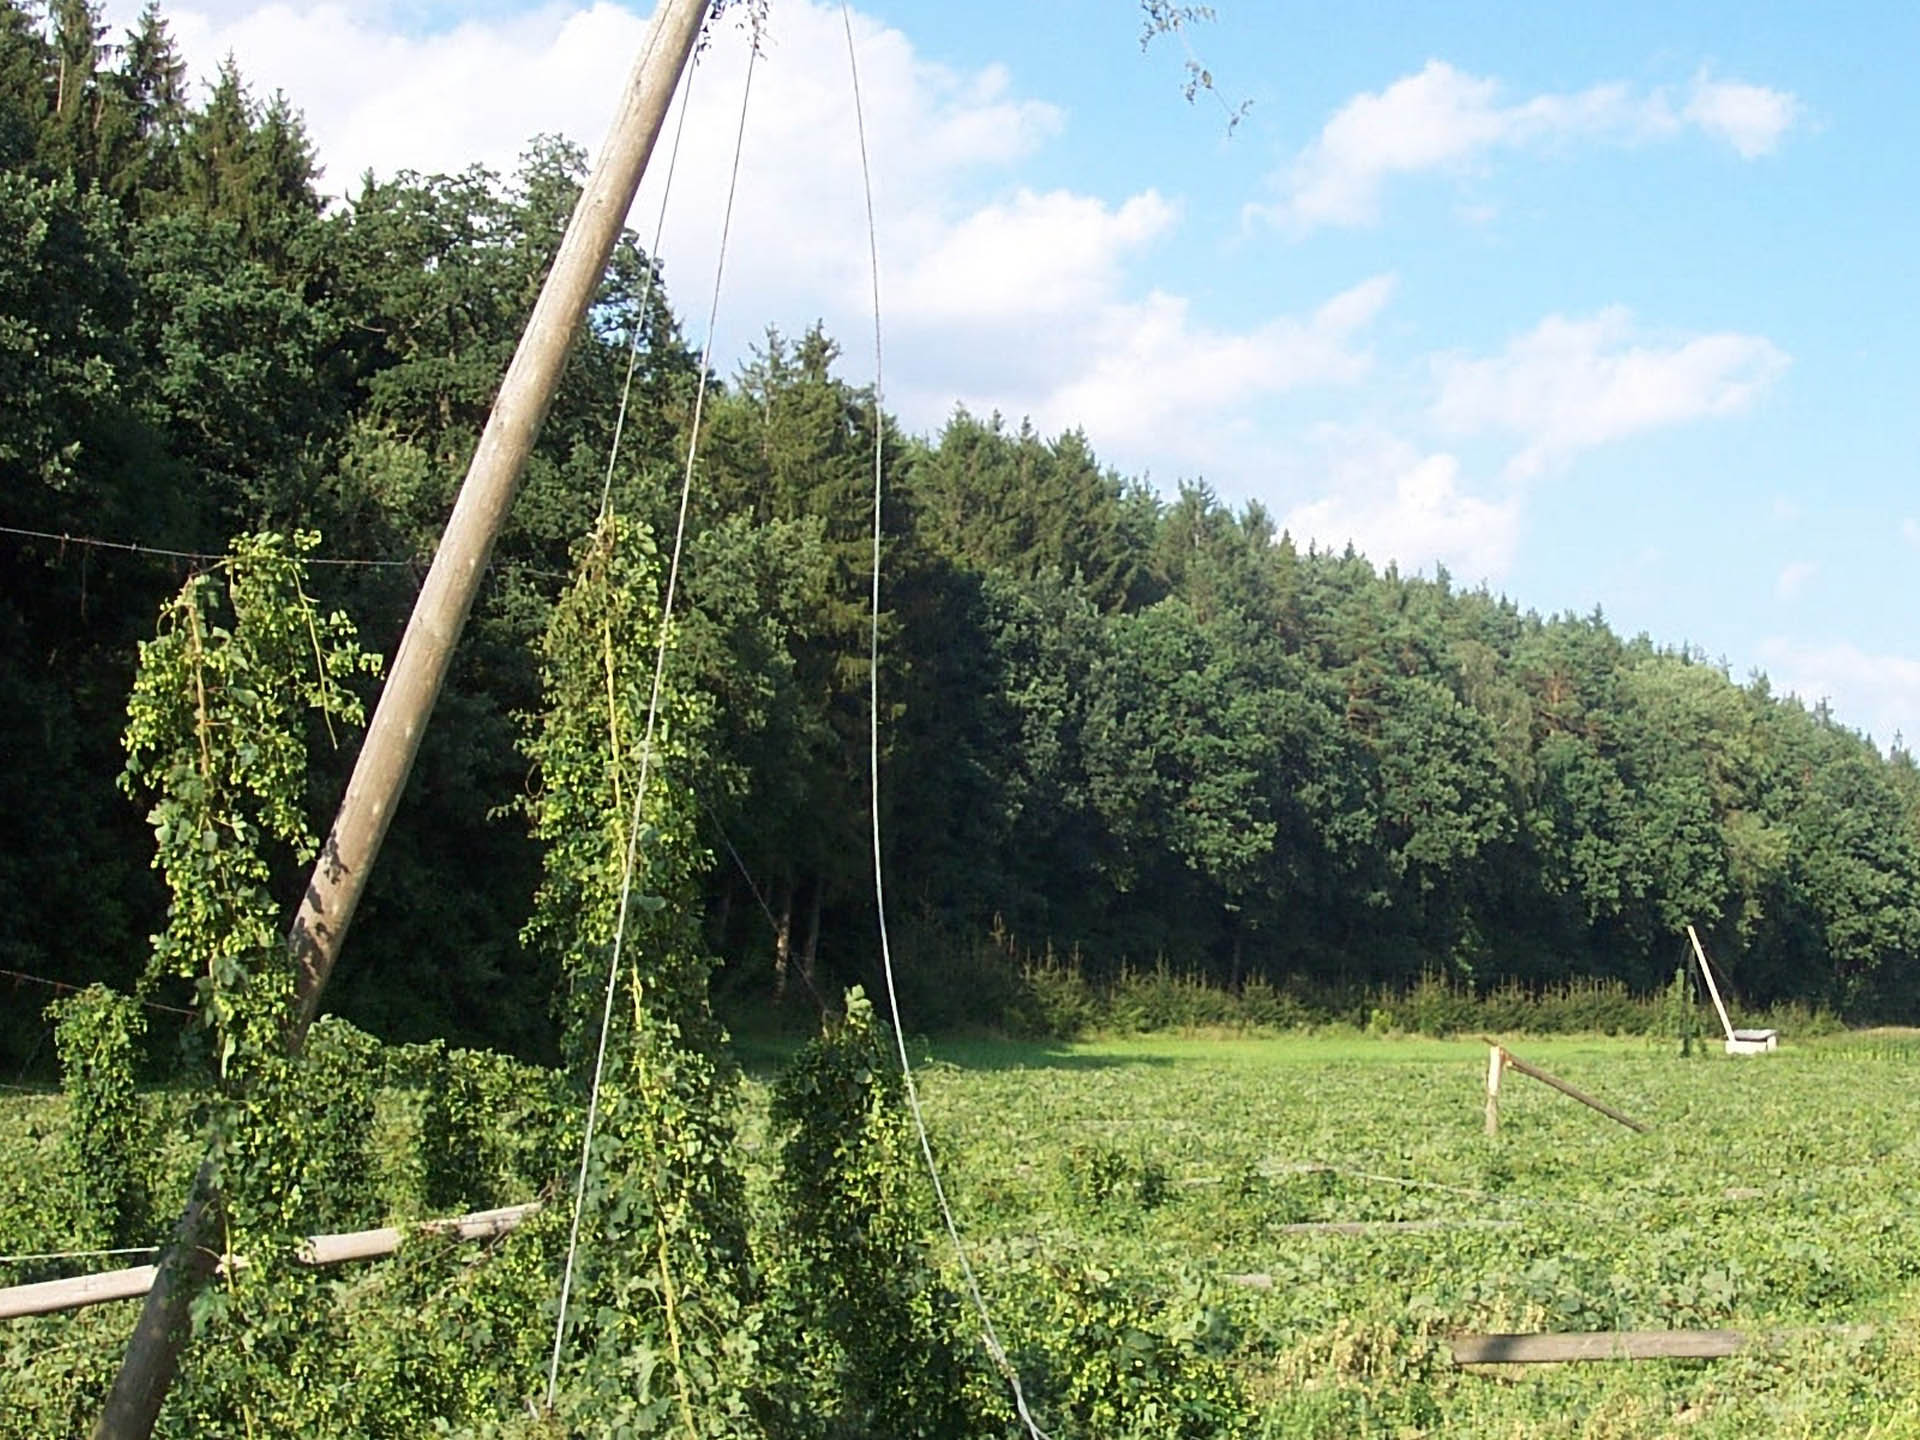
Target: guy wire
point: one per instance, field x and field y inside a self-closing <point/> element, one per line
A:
<point x="994" y="1347"/>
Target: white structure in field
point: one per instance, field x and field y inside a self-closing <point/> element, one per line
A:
<point x="1739" y="1042"/>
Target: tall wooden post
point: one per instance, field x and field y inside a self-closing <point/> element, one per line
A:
<point x="1496" y="1062"/>
<point x="420" y="668"/>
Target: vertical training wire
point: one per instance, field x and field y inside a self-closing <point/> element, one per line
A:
<point x="646" y="746"/>
<point x="994" y="1347"/>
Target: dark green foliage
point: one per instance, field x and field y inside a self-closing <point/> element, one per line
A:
<point x="108" y="1139"/>
<point x="866" y="1337"/>
<point x="1058" y="1001"/>
<point x="1141" y="728"/>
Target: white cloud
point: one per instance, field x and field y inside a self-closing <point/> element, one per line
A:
<point x="1910" y="530"/>
<point x="1567" y="385"/>
<point x="1003" y="297"/>
<point x="1443" y="119"/>
<point x="1751" y="118"/>
<point x="1035" y="256"/>
<point x="1149" y="383"/>
<point x="1879" y="694"/>
<point x="1393" y="502"/>
<point x="1794" y="578"/>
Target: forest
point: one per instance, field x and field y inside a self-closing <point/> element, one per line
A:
<point x="1122" y="727"/>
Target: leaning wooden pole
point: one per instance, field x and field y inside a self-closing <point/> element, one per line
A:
<point x="1706" y="970"/>
<point x="420" y="668"/>
<point x="1505" y="1058"/>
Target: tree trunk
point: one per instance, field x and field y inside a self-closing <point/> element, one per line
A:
<point x="812" y="947"/>
<point x="783" y="942"/>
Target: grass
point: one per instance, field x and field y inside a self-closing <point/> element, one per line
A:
<point x="1772" y="1192"/>
<point x="1776" y="1192"/>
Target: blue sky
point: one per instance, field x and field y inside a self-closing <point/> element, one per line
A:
<point x="1606" y="306"/>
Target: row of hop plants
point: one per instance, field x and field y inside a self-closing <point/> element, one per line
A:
<point x="823" y="1314"/>
<point x="1056" y="999"/>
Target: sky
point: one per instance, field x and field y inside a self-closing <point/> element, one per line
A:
<point x="1603" y="306"/>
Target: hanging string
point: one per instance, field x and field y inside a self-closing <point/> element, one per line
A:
<point x="994" y="1347"/>
<point x="646" y="749"/>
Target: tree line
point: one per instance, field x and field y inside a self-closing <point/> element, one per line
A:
<point x="1123" y="726"/>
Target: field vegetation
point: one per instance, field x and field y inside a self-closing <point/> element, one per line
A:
<point x="1150" y="770"/>
<point x="1128" y="1204"/>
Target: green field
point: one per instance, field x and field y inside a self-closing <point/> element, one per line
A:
<point x="1777" y="1193"/>
<point x="1781" y="1191"/>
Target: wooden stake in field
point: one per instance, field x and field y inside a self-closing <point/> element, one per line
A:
<point x="1569" y="1349"/>
<point x="1500" y="1058"/>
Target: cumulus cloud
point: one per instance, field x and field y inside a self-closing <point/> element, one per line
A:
<point x="1794" y="578"/>
<point x="1146" y="379"/>
<point x="1034" y="256"/>
<point x="1568" y="385"/>
<point x="1443" y="119"/>
<point x="1019" y="299"/>
<point x="1879" y="694"/>
<point x="1395" y="503"/>
<point x="1751" y="118"/>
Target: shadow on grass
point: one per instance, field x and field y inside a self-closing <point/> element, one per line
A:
<point x="763" y="1055"/>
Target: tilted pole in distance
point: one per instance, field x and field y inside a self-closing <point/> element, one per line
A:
<point x="420" y="668"/>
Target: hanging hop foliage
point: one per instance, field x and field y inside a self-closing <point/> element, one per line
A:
<point x="241" y="666"/>
<point x="105" y="1147"/>
<point x="216" y="743"/>
<point x="659" y="1333"/>
<point x="868" y="1335"/>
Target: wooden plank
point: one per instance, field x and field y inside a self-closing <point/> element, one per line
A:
<point x="1375" y="1227"/>
<point x="48" y="1296"/>
<point x="1574" y="1348"/>
<point x="52" y="1296"/>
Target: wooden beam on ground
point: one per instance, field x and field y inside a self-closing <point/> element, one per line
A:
<point x="1515" y="1062"/>
<point x="50" y="1297"/>
<point x="1378" y="1227"/>
<point x="1567" y="1349"/>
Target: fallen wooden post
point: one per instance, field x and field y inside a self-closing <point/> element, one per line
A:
<point x="1502" y="1058"/>
<point x="1567" y="1349"/>
<point x="52" y="1296"/>
<point x="1373" y="1227"/>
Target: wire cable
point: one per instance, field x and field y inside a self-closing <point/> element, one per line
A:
<point x="77" y="1255"/>
<point x="76" y="989"/>
<point x="994" y="1347"/>
<point x="88" y="542"/>
<point x="646" y="749"/>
